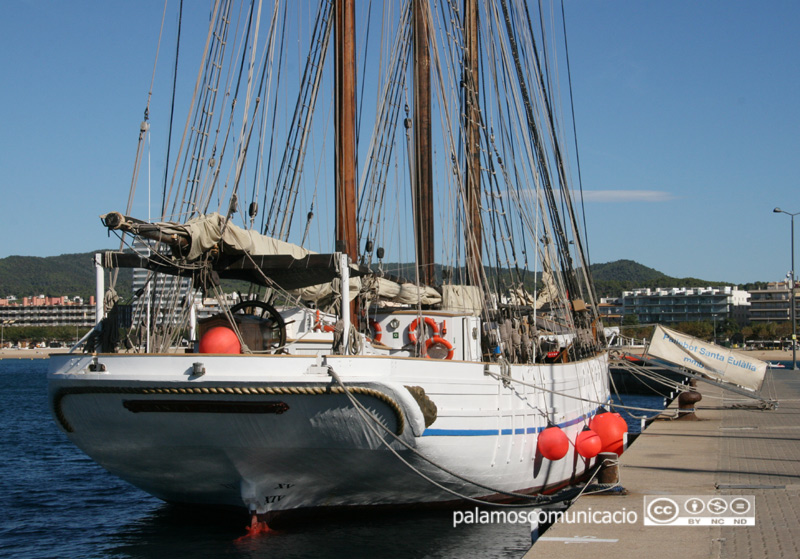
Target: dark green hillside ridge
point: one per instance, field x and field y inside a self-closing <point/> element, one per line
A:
<point x="625" y="270"/>
<point x="612" y="278"/>
<point x="53" y="276"/>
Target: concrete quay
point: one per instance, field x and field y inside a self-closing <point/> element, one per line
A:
<point x="730" y="450"/>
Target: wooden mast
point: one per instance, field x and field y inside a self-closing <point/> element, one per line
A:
<point x="473" y="228"/>
<point x="345" y="53"/>
<point x="423" y="174"/>
<point x="346" y="127"/>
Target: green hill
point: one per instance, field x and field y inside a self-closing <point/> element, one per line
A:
<point x="625" y="270"/>
<point x="612" y="278"/>
<point x="67" y="274"/>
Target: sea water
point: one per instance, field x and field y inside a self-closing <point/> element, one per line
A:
<point x="650" y="406"/>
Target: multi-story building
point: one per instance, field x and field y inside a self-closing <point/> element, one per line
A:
<point x="157" y="295"/>
<point x="685" y="304"/>
<point x="47" y="311"/>
<point x="773" y="304"/>
<point x="611" y="309"/>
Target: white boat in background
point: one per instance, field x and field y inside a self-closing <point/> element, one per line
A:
<point x="334" y="381"/>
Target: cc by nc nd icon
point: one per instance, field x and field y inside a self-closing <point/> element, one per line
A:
<point x="662" y="510"/>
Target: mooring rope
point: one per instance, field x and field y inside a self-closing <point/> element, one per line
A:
<point x="541" y="500"/>
<point x="557" y="393"/>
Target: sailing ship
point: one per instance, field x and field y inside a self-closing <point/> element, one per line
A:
<point x="334" y="377"/>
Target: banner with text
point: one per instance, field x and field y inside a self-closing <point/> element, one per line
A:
<point x="709" y="359"/>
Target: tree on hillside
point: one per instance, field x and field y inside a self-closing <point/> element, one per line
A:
<point x="630" y="320"/>
<point x="702" y="330"/>
<point x="784" y="330"/>
<point x="764" y="330"/>
<point x="35" y="334"/>
<point x="637" y="332"/>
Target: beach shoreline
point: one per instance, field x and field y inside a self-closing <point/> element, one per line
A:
<point x="37" y="353"/>
<point x="771" y="354"/>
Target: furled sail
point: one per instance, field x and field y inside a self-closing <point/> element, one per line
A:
<point x="211" y="230"/>
<point x="549" y="293"/>
<point x="205" y="232"/>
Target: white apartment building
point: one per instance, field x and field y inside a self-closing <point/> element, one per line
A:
<point x="686" y="304"/>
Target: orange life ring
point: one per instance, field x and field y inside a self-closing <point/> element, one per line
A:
<point x="319" y="326"/>
<point x="378" y="331"/>
<point x="439" y="341"/>
<point x="412" y="328"/>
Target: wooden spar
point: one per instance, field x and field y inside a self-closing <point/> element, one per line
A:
<point x="346" y="127"/>
<point x="116" y="221"/>
<point x="423" y="174"/>
<point x="473" y="228"/>
<point x="345" y="48"/>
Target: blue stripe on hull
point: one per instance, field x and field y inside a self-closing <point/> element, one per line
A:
<point x="494" y="432"/>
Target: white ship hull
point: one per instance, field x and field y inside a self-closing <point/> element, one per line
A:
<point x="274" y="433"/>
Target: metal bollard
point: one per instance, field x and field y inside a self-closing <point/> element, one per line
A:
<point x="686" y="405"/>
<point x="608" y="466"/>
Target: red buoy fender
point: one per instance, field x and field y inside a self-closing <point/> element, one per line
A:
<point x="436" y="340"/>
<point x="588" y="443"/>
<point x="220" y="339"/>
<point x="611" y="429"/>
<point x="553" y="443"/>
<point x="412" y="328"/>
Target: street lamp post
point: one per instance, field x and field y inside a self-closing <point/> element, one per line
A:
<point x="791" y="287"/>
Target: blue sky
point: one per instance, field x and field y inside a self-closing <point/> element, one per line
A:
<point x="687" y="114"/>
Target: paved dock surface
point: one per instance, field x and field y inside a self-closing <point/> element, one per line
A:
<point x="731" y="450"/>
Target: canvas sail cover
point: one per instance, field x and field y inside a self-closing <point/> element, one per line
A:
<point x="549" y="293"/>
<point x="207" y="231"/>
<point x="706" y="358"/>
<point x="462" y="298"/>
